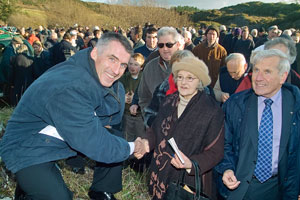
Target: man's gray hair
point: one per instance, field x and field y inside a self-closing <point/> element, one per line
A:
<point x="289" y="44"/>
<point x="166" y="30"/>
<point x="187" y="34"/>
<point x="235" y="56"/>
<point x="106" y="38"/>
<point x="283" y="65"/>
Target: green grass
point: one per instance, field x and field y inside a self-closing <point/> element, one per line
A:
<point x="134" y="184"/>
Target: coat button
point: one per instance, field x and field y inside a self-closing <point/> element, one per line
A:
<point x="47" y="140"/>
<point x="254" y="162"/>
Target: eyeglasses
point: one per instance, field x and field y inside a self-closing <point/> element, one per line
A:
<point x="188" y="79"/>
<point x="168" y="44"/>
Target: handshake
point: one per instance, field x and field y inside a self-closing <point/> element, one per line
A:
<point x="141" y="147"/>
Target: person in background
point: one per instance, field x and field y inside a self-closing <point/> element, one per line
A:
<point x="21" y="74"/>
<point x="136" y="36"/>
<point x="5" y="69"/>
<point x="245" y="44"/>
<point x="63" y="50"/>
<point x="151" y="43"/>
<point x="132" y="124"/>
<point x="212" y="53"/>
<point x="230" y="76"/>
<point x="188" y="44"/>
<point x="272" y="33"/>
<point x="51" y="40"/>
<point x="97" y="34"/>
<point x="254" y="34"/>
<point x="41" y="60"/>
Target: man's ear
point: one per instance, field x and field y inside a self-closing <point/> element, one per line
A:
<point x="245" y="66"/>
<point x="94" y="53"/>
<point x="283" y="77"/>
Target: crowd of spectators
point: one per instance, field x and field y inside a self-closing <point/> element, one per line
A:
<point x="161" y="98"/>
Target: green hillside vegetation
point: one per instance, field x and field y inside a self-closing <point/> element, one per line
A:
<point x="252" y="14"/>
<point x="68" y="12"/>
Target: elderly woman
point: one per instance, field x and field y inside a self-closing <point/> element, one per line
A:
<point x="195" y="121"/>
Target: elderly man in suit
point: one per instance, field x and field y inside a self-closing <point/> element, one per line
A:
<point x="261" y="156"/>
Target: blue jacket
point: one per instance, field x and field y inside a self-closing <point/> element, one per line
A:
<point x="69" y="98"/>
<point x="235" y="109"/>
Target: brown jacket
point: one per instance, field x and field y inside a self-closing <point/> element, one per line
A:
<point x="214" y="58"/>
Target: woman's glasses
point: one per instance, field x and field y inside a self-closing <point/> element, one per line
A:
<point x="188" y="79"/>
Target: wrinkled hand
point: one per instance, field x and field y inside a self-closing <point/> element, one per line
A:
<point x="141" y="147"/>
<point x="178" y="164"/>
<point x="133" y="109"/>
<point x="129" y="97"/>
<point x="230" y="180"/>
<point x="224" y="97"/>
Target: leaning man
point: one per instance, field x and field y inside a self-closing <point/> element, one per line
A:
<point x="69" y="109"/>
<point x="262" y="126"/>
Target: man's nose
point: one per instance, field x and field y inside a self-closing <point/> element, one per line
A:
<point x="259" y="76"/>
<point x="116" y="68"/>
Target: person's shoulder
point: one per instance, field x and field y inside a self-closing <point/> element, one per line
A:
<point x="221" y="48"/>
<point x="151" y="63"/>
<point x="140" y="49"/>
<point x="239" y="99"/>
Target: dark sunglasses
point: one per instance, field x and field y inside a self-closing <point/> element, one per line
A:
<point x="169" y="45"/>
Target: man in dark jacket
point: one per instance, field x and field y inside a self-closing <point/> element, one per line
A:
<point x="71" y="108"/>
<point x="62" y="50"/>
<point x="230" y="76"/>
<point x="261" y="155"/>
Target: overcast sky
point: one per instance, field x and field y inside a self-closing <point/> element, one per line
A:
<point x="202" y="4"/>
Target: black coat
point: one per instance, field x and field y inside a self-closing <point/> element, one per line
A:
<point x="21" y="76"/>
<point x="41" y="64"/>
<point x="62" y="51"/>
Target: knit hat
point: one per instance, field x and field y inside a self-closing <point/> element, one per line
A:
<point x="194" y="66"/>
<point x="213" y="27"/>
<point x="17" y="39"/>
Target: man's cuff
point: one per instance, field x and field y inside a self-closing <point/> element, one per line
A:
<point x="131" y="145"/>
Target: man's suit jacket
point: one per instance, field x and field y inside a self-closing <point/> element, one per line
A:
<point x="249" y="143"/>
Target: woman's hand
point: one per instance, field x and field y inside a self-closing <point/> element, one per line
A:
<point x="177" y="163"/>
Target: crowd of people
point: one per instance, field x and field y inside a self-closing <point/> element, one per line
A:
<point x="229" y="98"/>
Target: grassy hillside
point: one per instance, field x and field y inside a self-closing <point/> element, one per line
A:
<point x="68" y="12"/>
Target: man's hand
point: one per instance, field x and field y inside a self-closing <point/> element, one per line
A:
<point x="230" y="180"/>
<point x="178" y="164"/>
<point x="141" y="147"/>
<point x="224" y="96"/>
<point x="133" y="109"/>
<point x="128" y="97"/>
